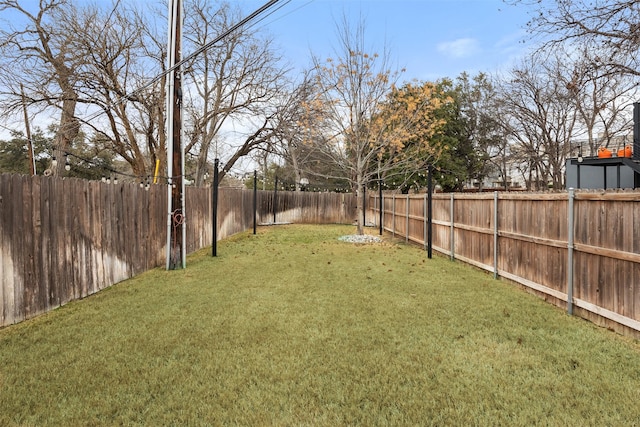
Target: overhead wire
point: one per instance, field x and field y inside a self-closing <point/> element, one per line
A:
<point x="113" y="171"/>
<point x="250" y="21"/>
<point x="286" y="2"/>
<point x="191" y="56"/>
<point x="282" y="16"/>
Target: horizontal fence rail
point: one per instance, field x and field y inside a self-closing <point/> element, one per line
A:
<point x="577" y="249"/>
<point x="63" y="239"/>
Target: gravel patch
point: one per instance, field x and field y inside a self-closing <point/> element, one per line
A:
<point x="360" y="238"/>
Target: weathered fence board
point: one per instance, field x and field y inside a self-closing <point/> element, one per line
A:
<point x="62" y="239"/>
<point x="527" y="240"/>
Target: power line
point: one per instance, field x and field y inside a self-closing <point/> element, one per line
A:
<point x="249" y="21"/>
<point x="111" y="170"/>
<point x="225" y="34"/>
<point x="282" y="16"/>
<point x="286" y="2"/>
<point x="191" y="56"/>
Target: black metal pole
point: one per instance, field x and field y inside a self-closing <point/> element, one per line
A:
<point x="636" y="131"/>
<point x="580" y="160"/>
<point x="275" y="198"/>
<point x="255" y="200"/>
<point x="429" y="211"/>
<point x="380" y="194"/>
<point x="214" y="208"/>
<point x="364" y="205"/>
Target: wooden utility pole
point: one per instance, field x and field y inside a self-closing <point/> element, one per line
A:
<point x="176" y="228"/>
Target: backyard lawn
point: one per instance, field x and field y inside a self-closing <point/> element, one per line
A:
<point x="292" y="327"/>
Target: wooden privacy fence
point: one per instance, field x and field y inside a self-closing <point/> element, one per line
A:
<point x="62" y="239"/>
<point x="577" y="249"/>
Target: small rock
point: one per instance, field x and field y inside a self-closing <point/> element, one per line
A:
<point x="360" y="238"/>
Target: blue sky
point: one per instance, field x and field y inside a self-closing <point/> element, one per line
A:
<point x="430" y="38"/>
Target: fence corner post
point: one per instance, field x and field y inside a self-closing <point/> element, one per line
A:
<point x="381" y="197"/>
<point x="570" y="239"/>
<point x="495" y="234"/>
<point x="429" y="202"/>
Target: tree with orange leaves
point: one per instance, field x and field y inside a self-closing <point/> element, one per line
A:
<point x="373" y="127"/>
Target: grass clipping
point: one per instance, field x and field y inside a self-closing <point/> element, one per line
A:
<point x="293" y="327"/>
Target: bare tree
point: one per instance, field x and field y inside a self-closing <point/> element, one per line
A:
<point x="539" y="114"/>
<point x="114" y="42"/>
<point x="90" y="64"/>
<point x="152" y="98"/>
<point x="302" y="126"/>
<point x="236" y="81"/>
<point x="375" y="128"/>
<point x="601" y="99"/>
<point x="610" y="28"/>
<point x="40" y="55"/>
<point x="353" y="87"/>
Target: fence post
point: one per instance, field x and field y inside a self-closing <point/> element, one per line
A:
<point x="429" y="201"/>
<point x="406" y="239"/>
<point x="364" y="205"/>
<point x="425" y="220"/>
<point x="381" y="203"/>
<point x="214" y="210"/>
<point x="570" y="238"/>
<point x="453" y="256"/>
<point x="255" y="200"/>
<point x="495" y="235"/>
<point x="275" y="198"/>
<point x="393" y="214"/>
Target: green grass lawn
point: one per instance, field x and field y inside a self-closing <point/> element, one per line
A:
<point x="292" y="327"/>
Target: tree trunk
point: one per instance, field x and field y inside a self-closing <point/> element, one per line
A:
<point x="296" y="168"/>
<point x="360" y="204"/>
<point x="67" y="131"/>
<point x="201" y="163"/>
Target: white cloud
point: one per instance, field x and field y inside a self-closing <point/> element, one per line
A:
<point x="461" y="48"/>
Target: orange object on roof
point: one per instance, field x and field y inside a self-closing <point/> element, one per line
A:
<point x="625" y="152"/>
<point x="604" y="153"/>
